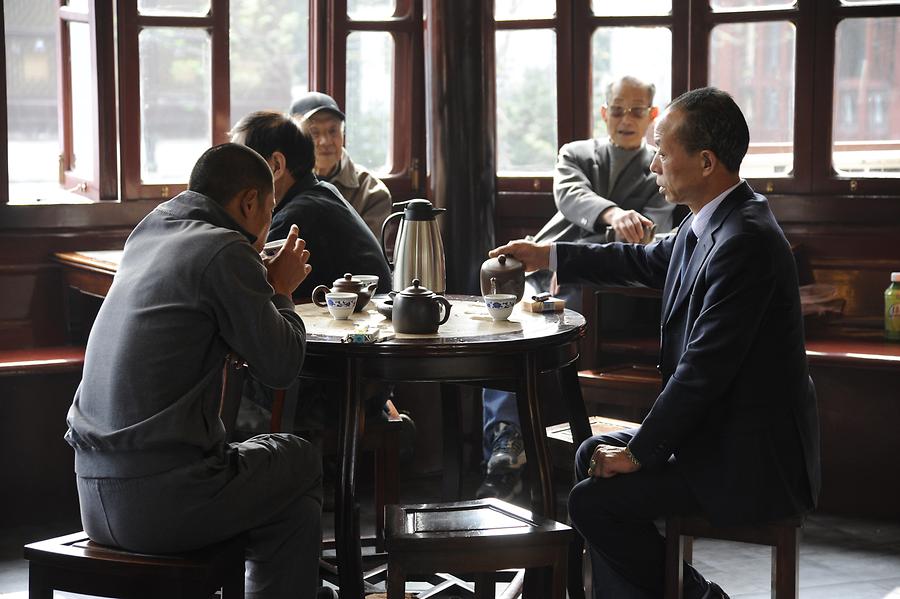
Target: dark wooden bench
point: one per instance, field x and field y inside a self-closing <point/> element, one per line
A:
<point x="41" y="360"/>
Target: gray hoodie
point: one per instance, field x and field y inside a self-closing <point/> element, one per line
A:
<point x="189" y="289"/>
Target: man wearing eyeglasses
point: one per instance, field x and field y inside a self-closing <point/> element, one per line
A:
<point x="598" y="183"/>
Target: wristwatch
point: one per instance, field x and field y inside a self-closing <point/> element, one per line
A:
<point x="631" y="457"/>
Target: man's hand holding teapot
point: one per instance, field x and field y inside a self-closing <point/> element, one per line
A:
<point x="534" y="256"/>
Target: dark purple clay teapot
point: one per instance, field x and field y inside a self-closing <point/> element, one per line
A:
<point x="503" y="274"/>
<point x="347" y="283"/>
<point x="417" y="310"/>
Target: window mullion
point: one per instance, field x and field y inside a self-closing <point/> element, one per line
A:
<point x="4" y="147"/>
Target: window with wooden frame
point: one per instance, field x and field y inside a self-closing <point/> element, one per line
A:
<point x="856" y="140"/>
<point x="760" y="51"/>
<point x="532" y="87"/>
<point x="174" y="97"/>
<point x="374" y="69"/>
<point x="61" y="79"/>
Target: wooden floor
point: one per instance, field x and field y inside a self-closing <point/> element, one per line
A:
<point x="840" y="558"/>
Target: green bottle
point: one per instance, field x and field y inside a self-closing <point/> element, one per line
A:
<point x="892" y="308"/>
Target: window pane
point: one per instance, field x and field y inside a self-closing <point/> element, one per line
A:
<point x="83" y="114"/>
<point x="369" y="10"/>
<point x="524" y="9"/>
<point x="32" y="137"/>
<point x="168" y="7"/>
<point x="754" y="62"/>
<point x="613" y="56"/>
<point x="726" y="5"/>
<point x="269" y="55"/>
<point x="526" y="101"/>
<point x="858" y="2"/>
<point x="620" y="8"/>
<point x="867" y="97"/>
<point x="175" y="101"/>
<point x="79" y="5"/>
<point x="370" y="98"/>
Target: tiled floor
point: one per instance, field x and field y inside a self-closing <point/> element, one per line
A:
<point x="840" y="558"/>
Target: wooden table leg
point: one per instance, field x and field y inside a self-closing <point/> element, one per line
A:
<point x="451" y="480"/>
<point x="346" y="520"/>
<point x="533" y="433"/>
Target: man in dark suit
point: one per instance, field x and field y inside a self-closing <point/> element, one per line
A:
<point x="733" y="435"/>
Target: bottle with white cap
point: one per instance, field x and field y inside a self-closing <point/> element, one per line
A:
<point x="892" y="308"/>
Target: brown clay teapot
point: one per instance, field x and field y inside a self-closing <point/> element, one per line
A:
<point x="346" y="283"/>
<point x="417" y="310"/>
<point x="509" y="274"/>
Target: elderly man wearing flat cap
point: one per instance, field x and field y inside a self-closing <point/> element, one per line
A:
<point x="363" y="190"/>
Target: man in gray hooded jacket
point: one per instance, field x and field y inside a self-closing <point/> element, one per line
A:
<point x="154" y="471"/>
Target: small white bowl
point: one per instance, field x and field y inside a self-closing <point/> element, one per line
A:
<point x="340" y="304"/>
<point x="500" y="305"/>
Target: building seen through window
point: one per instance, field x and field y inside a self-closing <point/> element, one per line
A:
<point x="32" y="99"/>
<point x="866" y="126"/>
<point x="738" y="54"/>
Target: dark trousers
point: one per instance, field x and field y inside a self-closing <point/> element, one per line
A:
<point x="615" y="516"/>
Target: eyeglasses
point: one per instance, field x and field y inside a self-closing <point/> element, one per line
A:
<point x="637" y="112"/>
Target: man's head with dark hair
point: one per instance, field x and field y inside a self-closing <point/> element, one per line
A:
<point x="224" y="171"/>
<point x="273" y="133"/>
<point x="701" y="139"/>
<point x="713" y="121"/>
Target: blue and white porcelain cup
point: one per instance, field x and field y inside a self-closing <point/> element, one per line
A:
<point x="500" y="305"/>
<point x="340" y="304"/>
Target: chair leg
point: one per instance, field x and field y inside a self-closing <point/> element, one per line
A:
<point x="575" y="565"/>
<point x="786" y="564"/>
<point x="560" y="574"/>
<point x="396" y="581"/>
<point x="37" y="587"/>
<point x="485" y="585"/>
<point x="233" y="587"/>
<point x="675" y="555"/>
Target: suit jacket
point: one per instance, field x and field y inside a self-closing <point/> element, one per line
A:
<point x="737" y="408"/>
<point x="581" y="191"/>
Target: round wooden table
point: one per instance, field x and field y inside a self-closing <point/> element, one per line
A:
<point x="470" y="348"/>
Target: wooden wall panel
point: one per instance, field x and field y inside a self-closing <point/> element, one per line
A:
<point x="39" y="474"/>
<point x="31" y="290"/>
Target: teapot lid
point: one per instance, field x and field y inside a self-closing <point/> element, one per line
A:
<point x="416" y="290"/>
<point x="502" y="264"/>
<point x="346" y="283"/>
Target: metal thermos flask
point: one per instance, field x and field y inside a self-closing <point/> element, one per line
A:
<point x="418" y="250"/>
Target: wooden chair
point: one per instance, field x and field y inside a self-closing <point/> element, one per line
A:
<point x="481" y="536"/>
<point x="783" y="536"/>
<point x="76" y="564"/>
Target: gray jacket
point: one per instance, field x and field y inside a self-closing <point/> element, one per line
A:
<point x="189" y="289"/>
<point x="368" y="195"/>
<point x="581" y="192"/>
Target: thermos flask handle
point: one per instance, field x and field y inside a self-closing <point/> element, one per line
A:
<point x="383" y="230"/>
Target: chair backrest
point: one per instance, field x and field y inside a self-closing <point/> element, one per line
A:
<point x="234" y="374"/>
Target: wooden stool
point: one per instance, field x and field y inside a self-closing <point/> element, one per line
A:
<point x="480" y="536"/>
<point x="783" y="536"/>
<point x="75" y="564"/>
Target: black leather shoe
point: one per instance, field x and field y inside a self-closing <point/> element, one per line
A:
<point x="326" y="593"/>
